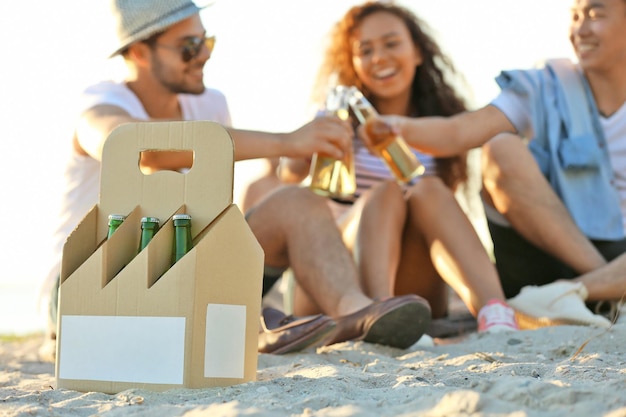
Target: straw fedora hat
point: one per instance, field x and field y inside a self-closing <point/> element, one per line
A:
<point x="136" y="20"/>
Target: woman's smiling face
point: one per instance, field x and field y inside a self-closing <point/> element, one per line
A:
<point x="384" y="55"/>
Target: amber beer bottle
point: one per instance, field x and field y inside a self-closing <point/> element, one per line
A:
<point x="391" y="147"/>
<point x="115" y="220"/>
<point x="182" y="235"/>
<point x="149" y="227"/>
<point x="331" y="177"/>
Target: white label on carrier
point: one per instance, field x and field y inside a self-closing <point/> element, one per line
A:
<point x="122" y="349"/>
<point x="225" y="341"/>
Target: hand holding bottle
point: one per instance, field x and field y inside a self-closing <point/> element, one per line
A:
<point x="327" y="134"/>
<point x="384" y="140"/>
<point x="329" y="176"/>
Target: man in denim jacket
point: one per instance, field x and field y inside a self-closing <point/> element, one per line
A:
<point x="554" y="165"/>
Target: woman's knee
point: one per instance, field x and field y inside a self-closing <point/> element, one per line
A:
<point x="389" y="189"/>
<point x="388" y="196"/>
<point x="429" y="192"/>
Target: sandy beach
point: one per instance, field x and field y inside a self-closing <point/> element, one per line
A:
<point x="553" y="371"/>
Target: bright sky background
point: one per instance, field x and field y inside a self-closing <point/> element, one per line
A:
<point x="265" y="60"/>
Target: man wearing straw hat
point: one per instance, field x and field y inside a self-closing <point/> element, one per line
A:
<point x="165" y="48"/>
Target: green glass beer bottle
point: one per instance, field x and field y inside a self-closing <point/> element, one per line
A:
<point x="182" y="235"/>
<point x="114" y="222"/>
<point x="149" y="227"/>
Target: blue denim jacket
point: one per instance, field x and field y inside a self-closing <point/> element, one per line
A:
<point x="569" y="144"/>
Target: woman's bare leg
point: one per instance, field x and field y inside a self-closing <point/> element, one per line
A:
<point x="378" y="238"/>
<point x="417" y="274"/>
<point x="456" y="252"/>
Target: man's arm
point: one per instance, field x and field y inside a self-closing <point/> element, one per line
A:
<point x="447" y="136"/>
<point x="97" y="123"/>
<point x="329" y="135"/>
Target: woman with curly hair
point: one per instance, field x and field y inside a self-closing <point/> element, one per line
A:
<point x="406" y="238"/>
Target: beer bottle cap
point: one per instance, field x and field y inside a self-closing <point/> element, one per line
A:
<point x="150" y="220"/>
<point x="120" y="217"/>
<point x="181" y="217"/>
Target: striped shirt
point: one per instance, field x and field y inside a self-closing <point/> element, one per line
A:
<point x="370" y="169"/>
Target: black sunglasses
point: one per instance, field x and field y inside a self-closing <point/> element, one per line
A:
<point x="191" y="47"/>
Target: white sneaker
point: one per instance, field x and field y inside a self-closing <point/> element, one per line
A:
<point x="554" y="304"/>
<point x="495" y="317"/>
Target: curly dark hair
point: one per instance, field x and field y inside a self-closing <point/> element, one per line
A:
<point x="432" y="94"/>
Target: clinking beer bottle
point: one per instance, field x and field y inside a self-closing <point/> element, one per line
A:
<point x="115" y="220"/>
<point x="390" y="146"/>
<point x="182" y="235"/>
<point x="331" y="177"/>
<point x="149" y="227"/>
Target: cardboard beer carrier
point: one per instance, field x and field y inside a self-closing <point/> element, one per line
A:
<point x="135" y="320"/>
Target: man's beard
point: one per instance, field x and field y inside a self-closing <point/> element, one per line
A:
<point x="176" y="87"/>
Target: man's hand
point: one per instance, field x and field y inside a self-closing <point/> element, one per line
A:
<point x="328" y="135"/>
<point x="378" y="130"/>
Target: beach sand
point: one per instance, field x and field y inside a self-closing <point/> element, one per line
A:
<point x="553" y="371"/>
